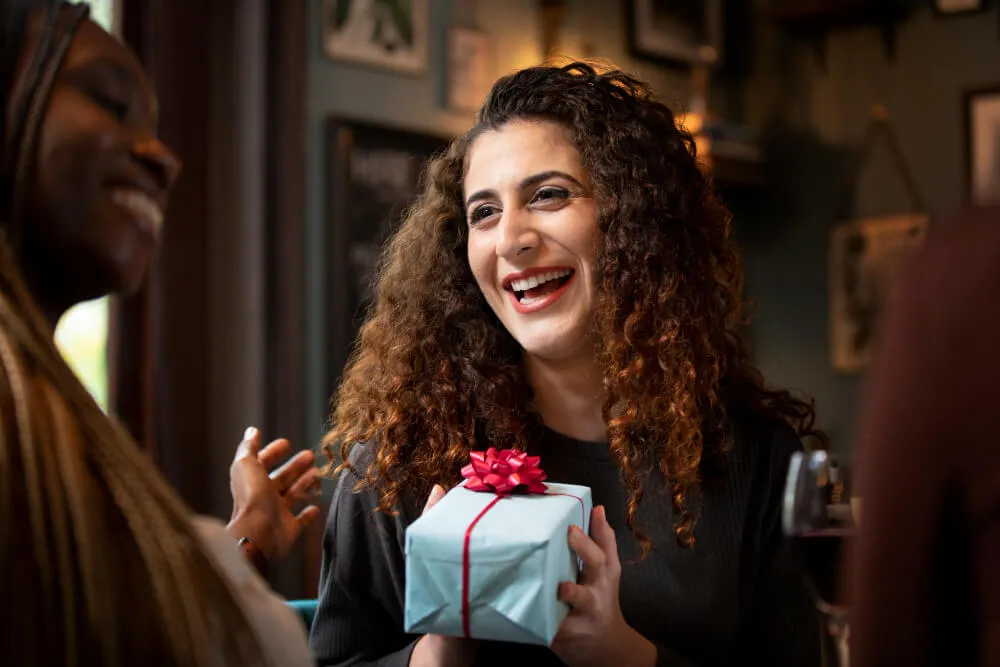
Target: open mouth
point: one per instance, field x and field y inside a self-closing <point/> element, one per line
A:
<point x="536" y="288"/>
<point x="141" y="207"/>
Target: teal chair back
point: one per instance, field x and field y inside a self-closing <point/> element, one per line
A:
<point x="306" y="609"/>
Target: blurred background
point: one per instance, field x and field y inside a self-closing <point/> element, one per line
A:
<point x="838" y="131"/>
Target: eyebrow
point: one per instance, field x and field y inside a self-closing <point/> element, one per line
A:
<point x="123" y="75"/>
<point x="119" y="70"/>
<point x="529" y="182"/>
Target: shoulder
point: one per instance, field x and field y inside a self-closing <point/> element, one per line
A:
<point x="355" y="503"/>
<point x="279" y="630"/>
<point x="764" y="443"/>
<point x="760" y="432"/>
<point x="955" y="271"/>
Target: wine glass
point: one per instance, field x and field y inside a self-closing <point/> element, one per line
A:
<point x="817" y="518"/>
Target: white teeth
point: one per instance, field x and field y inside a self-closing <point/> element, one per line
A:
<point x="525" y="301"/>
<point x="534" y="281"/>
<point x="142" y="206"/>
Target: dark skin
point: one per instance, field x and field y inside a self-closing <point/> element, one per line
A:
<point x="99" y="182"/>
<point x="98" y="138"/>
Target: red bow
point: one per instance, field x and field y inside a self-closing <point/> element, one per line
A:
<point x="503" y="472"/>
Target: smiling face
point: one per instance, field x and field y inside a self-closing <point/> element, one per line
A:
<point x="532" y="235"/>
<point x="100" y="177"/>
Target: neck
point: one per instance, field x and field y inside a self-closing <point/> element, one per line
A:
<point x="568" y="394"/>
<point x="50" y="302"/>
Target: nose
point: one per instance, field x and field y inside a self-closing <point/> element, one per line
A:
<point x="517" y="235"/>
<point x="161" y="162"/>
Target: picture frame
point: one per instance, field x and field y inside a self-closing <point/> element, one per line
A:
<point x="372" y="176"/>
<point x="471" y="68"/>
<point x="676" y="32"/>
<point x="982" y="144"/>
<point x="864" y="261"/>
<point x="390" y="34"/>
<point x="946" y="8"/>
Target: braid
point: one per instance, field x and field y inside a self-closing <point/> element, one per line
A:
<point x="87" y="522"/>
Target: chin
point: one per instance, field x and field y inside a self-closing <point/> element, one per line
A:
<point x="126" y="278"/>
<point x="130" y="284"/>
<point x="555" y="348"/>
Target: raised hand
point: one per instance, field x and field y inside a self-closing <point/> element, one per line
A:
<point x="263" y="503"/>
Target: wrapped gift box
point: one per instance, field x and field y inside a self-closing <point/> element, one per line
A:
<point x="488" y="565"/>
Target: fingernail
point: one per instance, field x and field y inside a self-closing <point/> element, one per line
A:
<point x="600" y="509"/>
<point x="249" y="433"/>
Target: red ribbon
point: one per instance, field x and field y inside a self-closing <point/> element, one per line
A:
<point x="501" y="472"/>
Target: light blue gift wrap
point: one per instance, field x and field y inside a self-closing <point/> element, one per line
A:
<point x="501" y="585"/>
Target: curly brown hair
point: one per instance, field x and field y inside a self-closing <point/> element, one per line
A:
<point x="435" y="374"/>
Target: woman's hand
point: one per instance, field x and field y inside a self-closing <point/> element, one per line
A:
<point x="263" y="503"/>
<point x="594" y="632"/>
<point x="440" y="650"/>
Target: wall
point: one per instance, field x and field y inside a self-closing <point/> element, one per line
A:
<point x="815" y="116"/>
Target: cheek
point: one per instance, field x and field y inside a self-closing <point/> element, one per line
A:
<point x="480" y="262"/>
<point x="582" y="233"/>
<point x="68" y="154"/>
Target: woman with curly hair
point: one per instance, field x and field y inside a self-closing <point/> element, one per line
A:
<point x="566" y="284"/>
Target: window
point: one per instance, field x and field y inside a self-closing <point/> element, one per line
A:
<point x="105" y="13"/>
<point x="82" y="334"/>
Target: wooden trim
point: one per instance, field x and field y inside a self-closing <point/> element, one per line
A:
<point x="285" y="243"/>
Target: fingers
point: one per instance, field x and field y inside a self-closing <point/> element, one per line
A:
<point x="577" y="596"/>
<point x="274" y="452"/>
<point x="250" y="443"/>
<point x="604" y="534"/>
<point x="437" y="493"/>
<point x="305" y="487"/>
<point x="307" y="516"/>
<point x="588" y="550"/>
<point x="287" y="475"/>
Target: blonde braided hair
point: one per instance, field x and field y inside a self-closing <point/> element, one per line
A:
<point x="87" y="522"/>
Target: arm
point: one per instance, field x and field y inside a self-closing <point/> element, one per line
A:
<point x="359" y="619"/>
<point x="782" y="626"/>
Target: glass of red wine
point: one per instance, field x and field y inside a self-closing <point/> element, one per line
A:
<point x="817" y="518"/>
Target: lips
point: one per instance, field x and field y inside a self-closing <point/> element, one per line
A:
<point x="141" y="207"/>
<point x="538" y="288"/>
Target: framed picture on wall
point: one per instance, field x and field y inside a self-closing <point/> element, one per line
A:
<point x="372" y="176"/>
<point x="864" y="260"/>
<point x="384" y="33"/>
<point x="982" y="141"/>
<point x="679" y="32"/>
<point x="958" y="7"/>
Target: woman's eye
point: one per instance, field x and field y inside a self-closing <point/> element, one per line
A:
<point x="481" y="213"/>
<point x="109" y="103"/>
<point x="549" y="194"/>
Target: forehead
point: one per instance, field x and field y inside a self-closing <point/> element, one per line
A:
<point x="519" y="149"/>
<point x="92" y="44"/>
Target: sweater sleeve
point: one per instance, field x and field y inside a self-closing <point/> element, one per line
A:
<point x="782" y="627"/>
<point x="359" y="618"/>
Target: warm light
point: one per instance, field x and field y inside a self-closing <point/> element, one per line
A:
<point x="692" y="122"/>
